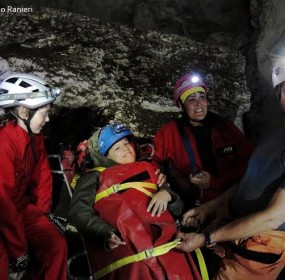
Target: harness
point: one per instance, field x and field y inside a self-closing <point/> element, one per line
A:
<point x="187" y="146"/>
<point x="149" y="253"/>
<point x="140" y="186"/>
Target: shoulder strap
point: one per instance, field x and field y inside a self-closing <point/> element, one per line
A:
<point x="77" y="176"/>
<point x="187" y="145"/>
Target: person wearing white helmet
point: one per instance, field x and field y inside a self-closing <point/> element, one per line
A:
<point x="26" y="233"/>
<point x="201" y="150"/>
<point x="249" y="218"/>
<point x="278" y="79"/>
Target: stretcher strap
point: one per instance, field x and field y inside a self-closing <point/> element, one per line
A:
<point x="140" y="186"/>
<point x="77" y="176"/>
<point x="202" y="265"/>
<point x="154" y="252"/>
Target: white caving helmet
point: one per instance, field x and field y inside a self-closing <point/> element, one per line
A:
<point x="27" y="90"/>
<point x="278" y="74"/>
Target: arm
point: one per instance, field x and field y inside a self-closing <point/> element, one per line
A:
<point x="11" y="223"/>
<point x="233" y="173"/>
<point x="213" y="209"/>
<point x="175" y="205"/>
<point x="160" y="151"/>
<point x="82" y="214"/>
<point x="41" y="185"/>
<point x="270" y="218"/>
<point x="164" y="199"/>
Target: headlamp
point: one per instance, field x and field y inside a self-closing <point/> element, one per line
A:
<point x="195" y="79"/>
<point x="119" y="128"/>
<point x="55" y="92"/>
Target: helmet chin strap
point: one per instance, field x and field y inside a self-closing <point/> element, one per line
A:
<point x="27" y="124"/>
<point x="31" y="134"/>
<point x="26" y="121"/>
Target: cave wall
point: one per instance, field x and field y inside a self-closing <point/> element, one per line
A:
<point x="252" y="28"/>
<point x="117" y="73"/>
<point x="268" y="45"/>
<point x="223" y="21"/>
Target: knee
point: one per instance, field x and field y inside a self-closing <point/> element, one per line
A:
<point x="4" y="262"/>
<point x="57" y="244"/>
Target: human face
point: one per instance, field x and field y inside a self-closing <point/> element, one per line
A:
<point x="122" y="152"/>
<point x="39" y="119"/>
<point x="196" y="106"/>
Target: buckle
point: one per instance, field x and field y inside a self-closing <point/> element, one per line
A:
<point x="148" y="253"/>
<point x="115" y="188"/>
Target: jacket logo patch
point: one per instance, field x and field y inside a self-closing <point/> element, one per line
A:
<point x="227" y="150"/>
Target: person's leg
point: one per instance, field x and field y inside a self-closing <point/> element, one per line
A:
<point x="233" y="269"/>
<point x="236" y="267"/>
<point x="46" y="244"/>
<point x="4" y="261"/>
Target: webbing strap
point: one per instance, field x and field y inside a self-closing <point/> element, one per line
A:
<point x="202" y="265"/>
<point x="74" y="180"/>
<point x="140" y="186"/>
<point x="77" y="176"/>
<point x="262" y="257"/>
<point x="154" y="252"/>
<point x="187" y="145"/>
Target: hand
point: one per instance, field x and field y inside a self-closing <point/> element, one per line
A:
<point x="19" y="264"/>
<point x="16" y="275"/>
<point x="161" y="178"/>
<point x="202" y="181"/>
<point x="190" y="241"/>
<point x="114" y="241"/>
<point x="159" y="202"/>
<point x="194" y="217"/>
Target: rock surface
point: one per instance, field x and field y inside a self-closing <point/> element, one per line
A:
<point x="117" y="73"/>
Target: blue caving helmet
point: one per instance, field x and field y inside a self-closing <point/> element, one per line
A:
<point x="110" y="134"/>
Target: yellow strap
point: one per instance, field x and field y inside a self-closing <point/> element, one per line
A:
<point x="154" y="252"/>
<point x="77" y="176"/>
<point x="99" y="168"/>
<point x="202" y="265"/>
<point x="140" y="186"/>
<point x="74" y="180"/>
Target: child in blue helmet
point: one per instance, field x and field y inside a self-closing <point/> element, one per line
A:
<point x="130" y="212"/>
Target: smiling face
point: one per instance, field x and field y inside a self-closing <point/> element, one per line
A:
<point x="196" y="107"/>
<point x="122" y="152"/>
<point x="39" y="119"/>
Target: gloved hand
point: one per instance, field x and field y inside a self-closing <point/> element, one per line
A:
<point x="59" y="222"/>
<point x="20" y="264"/>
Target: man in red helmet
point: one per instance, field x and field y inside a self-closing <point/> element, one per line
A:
<point x="204" y="153"/>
